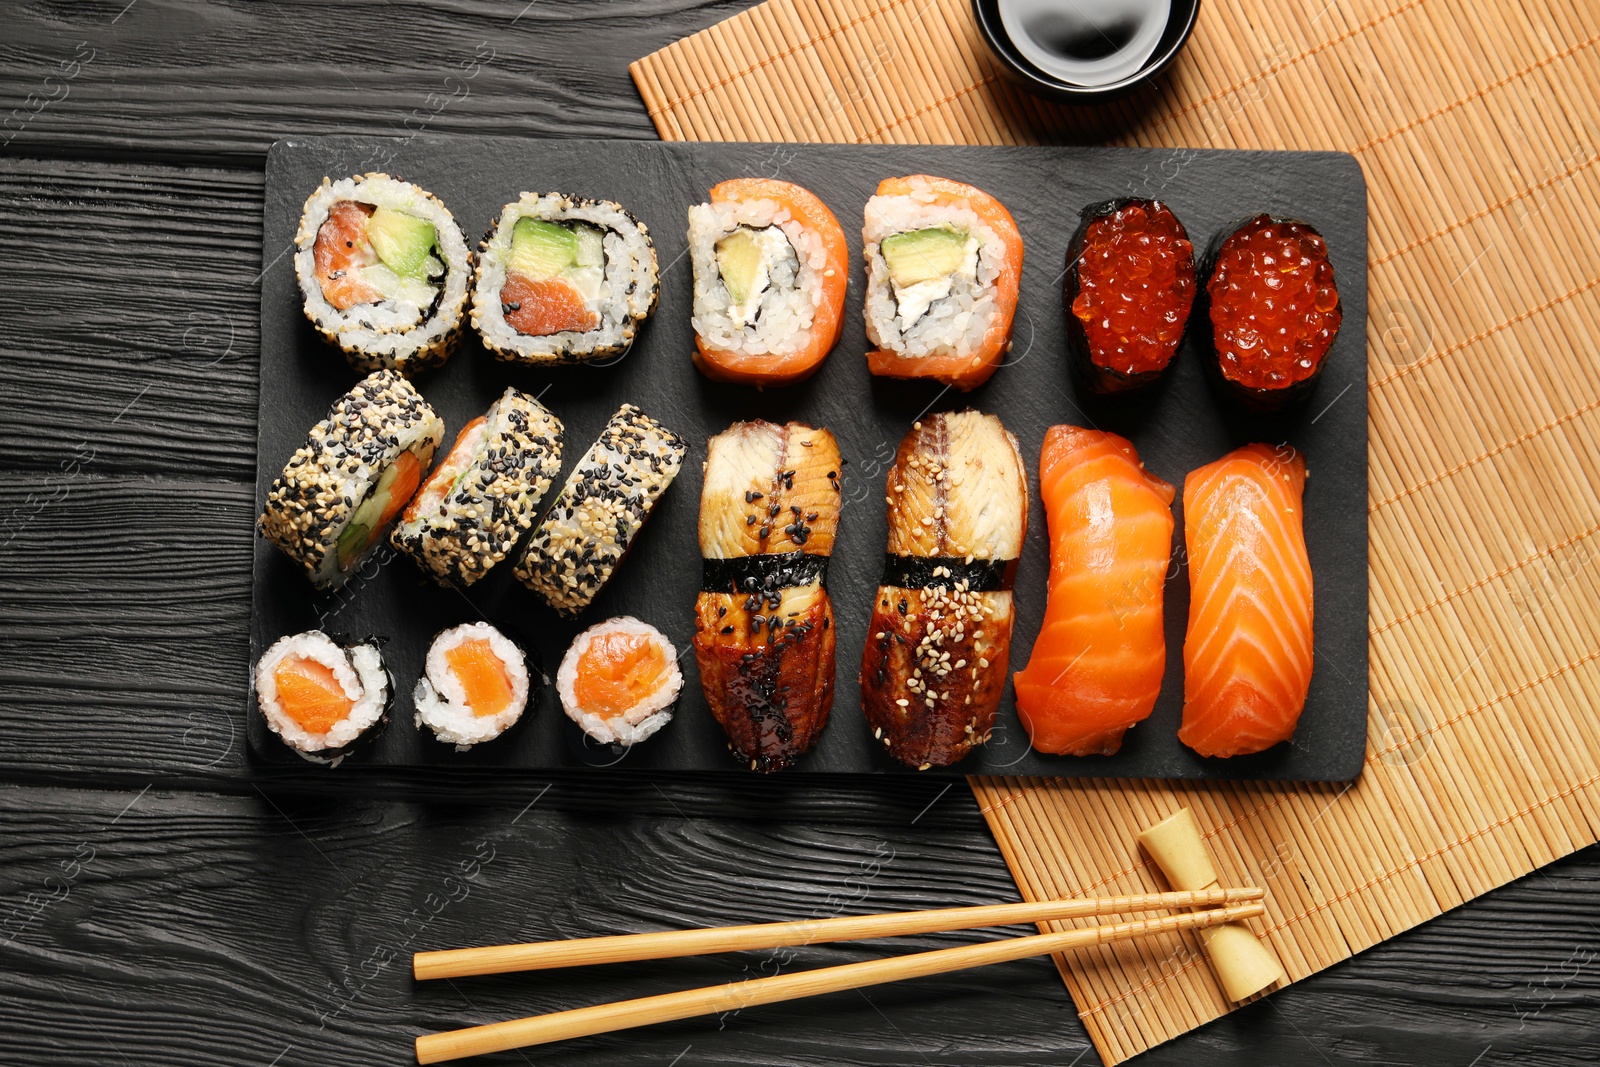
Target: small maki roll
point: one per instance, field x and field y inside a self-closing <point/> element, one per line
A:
<point x="1129" y="288"/>
<point x="944" y="261"/>
<point x="563" y="280"/>
<point x="619" y="681"/>
<point x="321" y="698"/>
<point x="771" y="267"/>
<point x="475" y="686"/>
<point x="606" y="500"/>
<point x="383" y="268"/>
<point x="1273" y="309"/>
<point x="357" y="469"/>
<point x="478" y="503"/>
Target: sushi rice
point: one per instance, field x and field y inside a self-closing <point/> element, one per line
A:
<point x="644" y="718"/>
<point x="931" y="318"/>
<point x="778" y="317"/>
<point x="621" y="290"/>
<point x="417" y="323"/>
<point x="441" y="698"/>
<point x="361" y="675"/>
<point x="342" y="476"/>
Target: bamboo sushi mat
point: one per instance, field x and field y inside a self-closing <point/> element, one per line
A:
<point x="1477" y="126"/>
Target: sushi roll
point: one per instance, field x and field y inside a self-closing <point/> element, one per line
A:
<point x="604" y="503"/>
<point x="770" y="271"/>
<point x="383" y="270"/>
<point x="358" y="468"/>
<point x="1097" y="663"/>
<point x="1248" y="652"/>
<point x="943" y="264"/>
<point x="563" y="280"/>
<point x="619" y="680"/>
<point x="764" y="635"/>
<point x="475" y="686"/>
<point x="477" y="504"/>
<point x="320" y="698"/>
<point x="934" y="665"/>
<point x="1129" y="287"/>
<point x="1273" y="312"/>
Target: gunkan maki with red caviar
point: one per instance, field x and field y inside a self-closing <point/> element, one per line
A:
<point x="1273" y="311"/>
<point x="1130" y="284"/>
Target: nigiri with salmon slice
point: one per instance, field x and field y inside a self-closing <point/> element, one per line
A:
<point x="944" y="262"/>
<point x="1247" y="656"/>
<point x="771" y="267"/>
<point x="1096" y="666"/>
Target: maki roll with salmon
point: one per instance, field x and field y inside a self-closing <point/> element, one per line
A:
<point x="770" y="271"/>
<point x="358" y="468"/>
<point x="481" y="499"/>
<point x="605" y="502"/>
<point x="944" y="261"/>
<point x="474" y="688"/>
<point x="764" y="636"/>
<point x="384" y="271"/>
<point x="563" y="280"/>
<point x="319" y="697"/>
<point x="1129" y="287"/>
<point x="619" y="681"/>
<point x="1273" y="312"/>
<point x="934" y="665"/>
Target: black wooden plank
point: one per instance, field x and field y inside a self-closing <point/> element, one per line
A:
<point x="164" y="928"/>
<point x="189" y="81"/>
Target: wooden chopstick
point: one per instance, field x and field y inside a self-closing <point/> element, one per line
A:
<point x="577" y="952"/>
<point x="621" y="1015"/>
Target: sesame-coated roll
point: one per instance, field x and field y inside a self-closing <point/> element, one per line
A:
<point x="481" y="499"/>
<point x="606" y="500"/>
<point x="383" y="271"/>
<point x="358" y="467"/>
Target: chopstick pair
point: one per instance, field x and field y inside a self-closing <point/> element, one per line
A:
<point x="1225" y="905"/>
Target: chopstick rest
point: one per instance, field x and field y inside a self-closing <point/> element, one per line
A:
<point x="1243" y="964"/>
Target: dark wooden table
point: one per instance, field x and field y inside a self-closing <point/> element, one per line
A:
<point x="163" y="904"/>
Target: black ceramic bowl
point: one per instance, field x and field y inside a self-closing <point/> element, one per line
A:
<point x="1180" y="23"/>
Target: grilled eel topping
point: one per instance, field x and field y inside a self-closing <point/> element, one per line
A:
<point x="764" y="634"/>
<point x="935" y="659"/>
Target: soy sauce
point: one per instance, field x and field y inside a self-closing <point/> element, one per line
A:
<point x="1086" y="42"/>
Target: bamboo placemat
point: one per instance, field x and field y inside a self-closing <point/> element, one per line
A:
<point x="1476" y="125"/>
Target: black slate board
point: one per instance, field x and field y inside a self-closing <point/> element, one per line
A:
<point x="1177" y="429"/>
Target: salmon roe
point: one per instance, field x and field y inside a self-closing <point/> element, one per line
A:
<point x="1135" y="287"/>
<point x="1274" y="308"/>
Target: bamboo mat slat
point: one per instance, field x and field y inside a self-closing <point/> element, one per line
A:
<point x="1478" y="127"/>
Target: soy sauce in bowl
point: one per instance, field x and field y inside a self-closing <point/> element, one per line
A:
<point x="1086" y="42"/>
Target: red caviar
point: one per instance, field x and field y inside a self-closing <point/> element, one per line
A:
<point x="1135" y="287"/>
<point x="1274" y="307"/>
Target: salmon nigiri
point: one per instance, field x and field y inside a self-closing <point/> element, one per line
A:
<point x="944" y="260"/>
<point x="1247" y="655"/>
<point x="771" y="267"/>
<point x="1097" y="664"/>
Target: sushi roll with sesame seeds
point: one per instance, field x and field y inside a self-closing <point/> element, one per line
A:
<point x="563" y="280"/>
<point x="358" y="468"/>
<point x="475" y="686"/>
<point x="619" y="680"/>
<point x="604" y="503"/>
<point x="321" y="698"/>
<point x="384" y="271"/>
<point x="481" y="499"/>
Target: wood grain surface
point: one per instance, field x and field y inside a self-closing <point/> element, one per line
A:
<point x="159" y="904"/>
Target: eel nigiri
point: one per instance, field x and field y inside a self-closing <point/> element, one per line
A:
<point x="1247" y="656"/>
<point x="1097" y="664"/>
<point x="770" y="271"/>
<point x="944" y="260"/>
<point x="934" y="665"/>
<point x="764" y="636"/>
